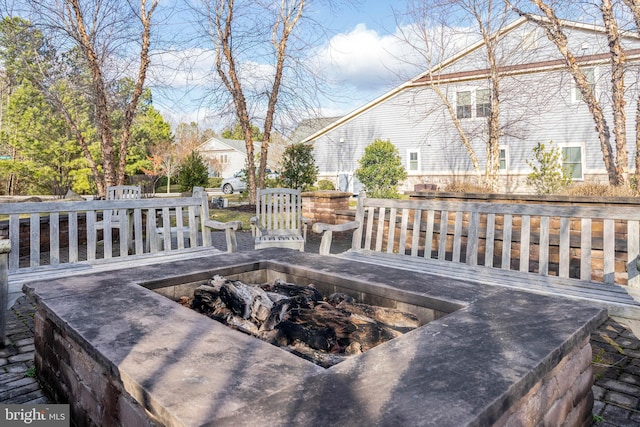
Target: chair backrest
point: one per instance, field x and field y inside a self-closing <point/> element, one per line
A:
<point x="279" y="210"/>
<point x="120" y="192"/>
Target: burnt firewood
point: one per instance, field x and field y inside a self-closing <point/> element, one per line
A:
<point x="246" y="301"/>
<point x="315" y="336"/>
<point x="338" y="297"/>
<point x="204" y="295"/>
<point x="292" y="290"/>
<point x="369" y="335"/>
<point x="326" y="360"/>
<point x="389" y="316"/>
<point x="297" y="318"/>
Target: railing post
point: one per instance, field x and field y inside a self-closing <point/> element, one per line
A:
<point x="5" y="248"/>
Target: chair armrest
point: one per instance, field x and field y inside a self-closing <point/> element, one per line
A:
<point x="321" y="227"/>
<point x="217" y="225"/>
<point x="327" y="233"/>
<point x="255" y="230"/>
<point x="229" y="231"/>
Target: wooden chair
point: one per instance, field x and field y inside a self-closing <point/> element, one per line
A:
<point x="279" y="221"/>
<point x="119" y="218"/>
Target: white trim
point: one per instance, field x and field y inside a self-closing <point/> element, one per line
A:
<point x="581" y="146"/>
<point x="506" y="158"/>
<point x="418" y="170"/>
<point x="576" y="96"/>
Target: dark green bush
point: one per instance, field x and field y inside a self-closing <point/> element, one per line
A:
<point x="193" y="172"/>
<point x="325" y="184"/>
<point x="215" y="182"/>
<point x="381" y="170"/>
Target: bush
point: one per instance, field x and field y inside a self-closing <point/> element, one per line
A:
<point x="467" y="187"/>
<point x="299" y="168"/>
<point x="593" y="189"/>
<point x="549" y="176"/>
<point x="215" y="182"/>
<point x="193" y="172"/>
<point x="381" y="170"/>
<point x="325" y="184"/>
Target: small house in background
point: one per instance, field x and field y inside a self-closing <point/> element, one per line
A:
<point x="539" y="103"/>
<point x="225" y="157"/>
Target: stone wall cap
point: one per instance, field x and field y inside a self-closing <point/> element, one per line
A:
<point x="331" y="194"/>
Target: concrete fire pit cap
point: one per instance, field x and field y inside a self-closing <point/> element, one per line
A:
<point x="462" y="369"/>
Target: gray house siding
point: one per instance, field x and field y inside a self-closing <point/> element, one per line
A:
<point x="537" y="105"/>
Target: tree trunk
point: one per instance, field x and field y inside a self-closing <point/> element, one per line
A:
<point x="617" y="91"/>
<point x="553" y="30"/>
<point x="634" y="5"/>
<point x="145" y="18"/>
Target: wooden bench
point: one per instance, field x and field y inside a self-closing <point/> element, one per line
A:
<point x="574" y="252"/>
<point x="63" y="239"/>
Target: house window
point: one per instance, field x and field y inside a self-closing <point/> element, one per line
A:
<point x="504" y="158"/>
<point x="463" y="104"/>
<point x="413" y="161"/>
<point x="590" y="74"/>
<point x="483" y="102"/>
<point x="572" y="161"/>
<point x="224" y="159"/>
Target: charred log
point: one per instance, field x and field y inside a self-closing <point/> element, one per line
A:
<point x="298" y="319"/>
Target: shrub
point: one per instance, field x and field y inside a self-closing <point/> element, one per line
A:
<point x="381" y="170"/>
<point x="467" y="187"/>
<point x="193" y="172"/>
<point x="325" y="184"/>
<point x="215" y="182"/>
<point x="549" y="176"/>
<point x="299" y="168"/>
<point x="593" y="189"/>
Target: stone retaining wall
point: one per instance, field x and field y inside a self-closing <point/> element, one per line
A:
<point x="563" y="397"/>
<point x="91" y="387"/>
<point x="321" y="206"/>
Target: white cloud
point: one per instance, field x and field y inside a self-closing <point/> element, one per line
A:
<point x="365" y="60"/>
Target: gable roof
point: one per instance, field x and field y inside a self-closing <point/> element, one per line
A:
<point x="426" y="78"/>
<point x="233" y="144"/>
<point x="310" y="126"/>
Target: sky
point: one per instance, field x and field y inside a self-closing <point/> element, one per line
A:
<point x="358" y="54"/>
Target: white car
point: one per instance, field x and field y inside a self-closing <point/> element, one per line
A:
<point x="238" y="182"/>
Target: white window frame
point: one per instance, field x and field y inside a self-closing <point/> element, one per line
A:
<point x="473" y="91"/>
<point x="471" y="97"/>
<point x="576" y="95"/>
<point x="419" y="163"/>
<point x="504" y="148"/>
<point x="582" y="159"/>
<point x="224" y="159"/>
<point x="475" y="101"/>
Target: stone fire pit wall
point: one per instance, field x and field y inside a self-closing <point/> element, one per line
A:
<point x="121" y="354"/>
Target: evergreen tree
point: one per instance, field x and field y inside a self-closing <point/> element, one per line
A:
<point x="299" y="168"/>
<point x="193" y="172"/>
<point x="381" y="170"/>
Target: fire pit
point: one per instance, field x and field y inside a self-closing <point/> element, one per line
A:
<point x="119" y="352"/>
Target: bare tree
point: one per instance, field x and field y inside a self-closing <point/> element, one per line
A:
<point x="634" y="6"/>
<point x="616" y="163"/>
<point x="258" y="60"/>
<point x="485" y="19"/>
<point x="110" y="36"/>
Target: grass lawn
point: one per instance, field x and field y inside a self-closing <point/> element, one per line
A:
<point x="225" y="215"/>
